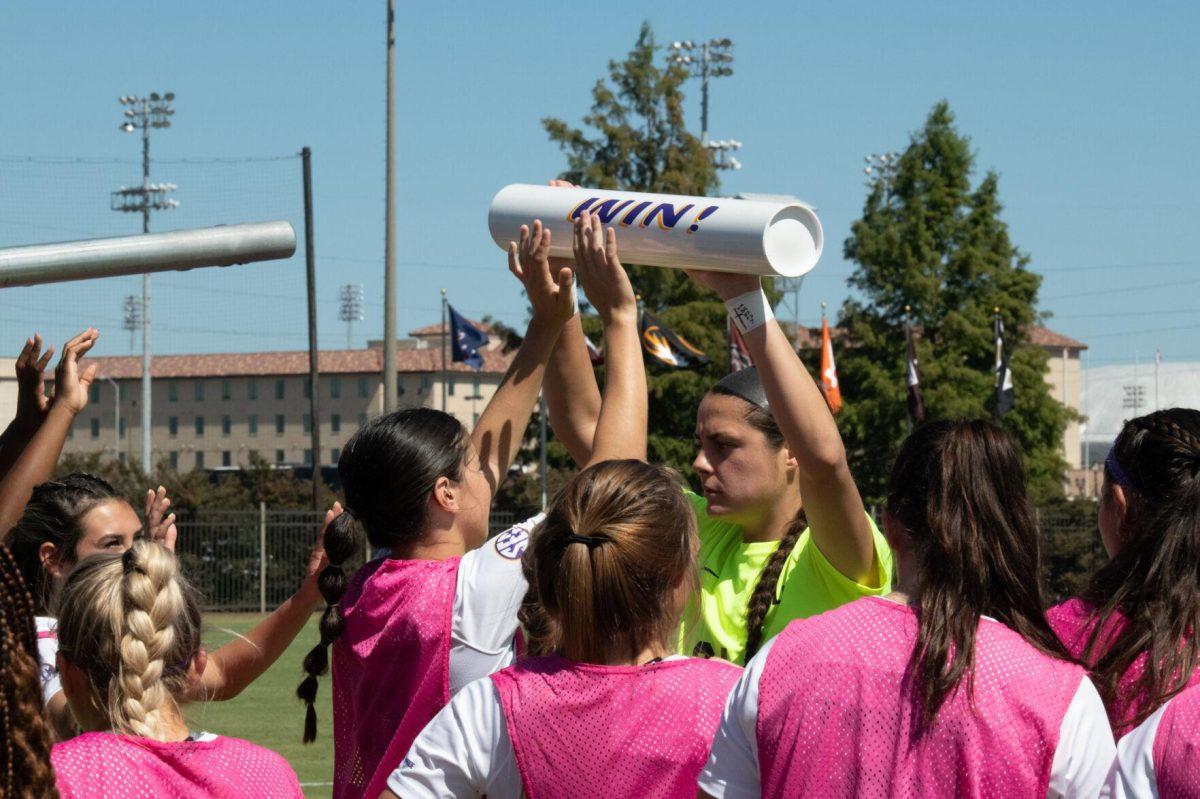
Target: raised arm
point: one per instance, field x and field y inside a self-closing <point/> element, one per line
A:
<point x="831" y="500"/>
<point x="572" y="396"/>
<point x="32" y="402"/>
<point x="36" y="463"/>
<point x="232" y="667"/>
<point x="620" y="430"/>
<point x="501" y="428"/>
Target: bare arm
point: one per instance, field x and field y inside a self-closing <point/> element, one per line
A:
<point x="240" y="662"/>
<point x="32" y="403"/>
<point x="36" y="462"/>
<point x="572" y="396"/>
<point x="501" y="428"/>
<point x="831" y="500"/>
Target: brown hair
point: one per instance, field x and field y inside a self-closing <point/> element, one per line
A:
<point x="25" y="750"/>
<point x="388" y="470"/>
<point x="763" y="597"/>
<point x="1154" y="581"/>
<point x="958" y="491"/>
<point x="131" y="623"/>
<point x="615" y="544"/>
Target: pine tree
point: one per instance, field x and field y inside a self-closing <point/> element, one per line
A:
<point x="635" y="139"/>
<point x="928" y="240"/>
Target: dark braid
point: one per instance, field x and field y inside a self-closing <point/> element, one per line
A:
<point x="25" y="751"/>
<point x="764" y="591"/>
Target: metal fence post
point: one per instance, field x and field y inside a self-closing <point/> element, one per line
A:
<point x="262" y="557"/>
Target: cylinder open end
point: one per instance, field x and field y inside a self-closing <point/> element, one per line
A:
<point x="793" y="241"/>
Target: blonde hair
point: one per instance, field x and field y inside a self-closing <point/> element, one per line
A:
<point x="131" y="623"/>
<point x="604" y="565"/>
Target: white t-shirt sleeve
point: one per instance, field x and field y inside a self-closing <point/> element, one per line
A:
<point x="487" y="597"/>
<point x="1134" y="777"/>
<point x="47" y="639"/>
<point x="732" y="768"/>
<point x="1084" y="758"/>
<point x="464" y="751"/>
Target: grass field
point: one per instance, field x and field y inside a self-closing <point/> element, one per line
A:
<point x="268" y="712"/>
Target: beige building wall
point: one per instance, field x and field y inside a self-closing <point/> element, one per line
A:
<point x="8" y="391"/>
<point x="1065" y="377"/>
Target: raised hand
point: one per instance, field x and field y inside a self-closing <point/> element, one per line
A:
<point x="600" y="272"/>
<point x="317" y="560"/>
<point x="550" y="292"/>
<point x="70" y="384"/>
<point x="160" y="525"/>
<point x="32" y="402"/>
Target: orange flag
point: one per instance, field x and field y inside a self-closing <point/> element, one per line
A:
<point x="829" y="378"/>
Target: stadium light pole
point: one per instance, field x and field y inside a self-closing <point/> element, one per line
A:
<point x="350" y="308"/>
<point x="390" y="397"/>
<point x="721" y="150"/>
<point x="133" y="318"/>
<point x="881" y="168"/>
<point x="152" y="111"/>
<point x="703" y="60"/>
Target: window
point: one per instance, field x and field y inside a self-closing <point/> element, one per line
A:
<point x="335" y="455"/>
<point x="226" y="425"/>
<point x="399" y="386"/>
<point x="173" y="426"/>
<point x="120" y="457"/>
<point x="450" y="385"/>
<point x="362" y="388"/>
<point x="307" y="423"/>
<point x="279" y="389"/>
<point x="252" y="455"/>
<point x="280" y="422"/>
<point x="94" y="393"/>
<point x="95" y="428"/>
<point x="226" y="458"/>
<point x="226" y="390"/>
<point x="173" y="391"/>
<point x="252" y="425"/>
<point x="279" y="456"/>
<point x="475" y="389"/>
<point x="362" y="420"/>
<point x="199" y="391"/>
<point x="199" y="425"/>
<point x="308" y="388"/>
<point x="252" y="389"/>
<point x="475" y="423"/>
<point x="335" y="388"/>
<point x="199" y="460"/>
<point x="121" y="427"/>
<point x="122" y="390"/>
<point x="308" y="457"/>
<point x="426" y="382"/>
<point x="335" y="423"/>
<point x="174" y="459"/>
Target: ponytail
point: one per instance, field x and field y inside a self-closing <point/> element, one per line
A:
<point x="24" y="739"/>
<point x="957" y="490"/>
<point x="763" y="597"/>
<point x="341" y="542"/>
<point x="131" y="623"/>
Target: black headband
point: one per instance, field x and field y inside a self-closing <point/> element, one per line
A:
<point x="745" y="384"/>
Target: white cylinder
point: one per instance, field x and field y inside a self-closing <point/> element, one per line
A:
<point x="716" y="234"/>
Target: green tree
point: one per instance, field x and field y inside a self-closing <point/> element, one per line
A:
<point x="635" y="139"/>
<point x="928" y="240"/>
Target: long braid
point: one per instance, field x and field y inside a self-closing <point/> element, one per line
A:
<point x="26" y="740"/>
<point x="764" y="591"/>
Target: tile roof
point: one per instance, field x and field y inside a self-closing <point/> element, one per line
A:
<point x="368" y="361"/>
<point x="436" y="329"/>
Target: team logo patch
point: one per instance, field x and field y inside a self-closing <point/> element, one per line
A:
<point x="512" y="542"/>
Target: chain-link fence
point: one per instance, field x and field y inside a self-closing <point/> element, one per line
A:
<point x="252" y="560"/>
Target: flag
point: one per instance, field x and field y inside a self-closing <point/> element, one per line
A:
<point x="1004" y="384"/>
<point x="739" y="356"/>
<point x="594" y="353"/>
<point x="665" y="346"/>
<point x="465" y="340"/>
<point x="829" y="378"/>
<point x="916" y="404"/>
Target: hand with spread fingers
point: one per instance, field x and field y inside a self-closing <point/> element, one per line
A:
<point x="160" y="525"/>
<point x="600" y="272"/>
<point x="32" y="402"/>
<point x="550" y="291"/>
<point x="70" y="384"/>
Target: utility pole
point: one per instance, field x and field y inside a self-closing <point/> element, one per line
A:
<point x="314" y="375"/>
<point x="153" y="111"/>
<point x="389" y="237"/>
<point x="350" y="309"/>
<point x="705" y="60"/>
<point x="445" y="341"/>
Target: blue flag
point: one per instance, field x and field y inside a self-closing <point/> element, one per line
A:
<point x="465" y="340"/>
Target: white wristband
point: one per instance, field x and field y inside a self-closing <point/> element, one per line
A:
<point x="750" y="310"/>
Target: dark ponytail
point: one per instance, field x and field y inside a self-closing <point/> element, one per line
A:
<point x="388" y="469"/>
<point x="747" y="386"/>
<point x="957" y="490"/>
<point x="54" y="515"/>
<point x="1153" y="582"/>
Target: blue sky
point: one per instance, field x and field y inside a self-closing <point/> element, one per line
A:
<point x="1087" y="111"/>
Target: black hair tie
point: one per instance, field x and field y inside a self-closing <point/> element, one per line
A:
<point x="590" y="541"/>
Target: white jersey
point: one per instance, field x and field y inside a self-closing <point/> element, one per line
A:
<point x="47" y="638"/>
<point x="464" y="751"/>
<point x="1134" y="776"/>
<point x="1081" y="764"/>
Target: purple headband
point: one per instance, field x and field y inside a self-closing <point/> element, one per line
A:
<point x="1118" y="474"/>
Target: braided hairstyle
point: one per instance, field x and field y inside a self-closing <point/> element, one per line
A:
<point x="54" y="515"/>
<point x="747" y="386"/>
<point x="131" y="623"/>
<point x="388" y="470"/>
<point x="25" y="768"/>
<point x="1153" y="582"/>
